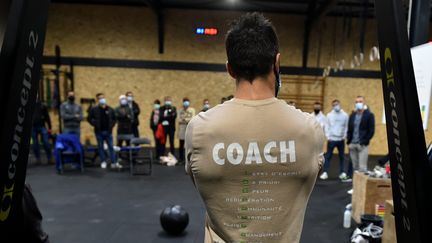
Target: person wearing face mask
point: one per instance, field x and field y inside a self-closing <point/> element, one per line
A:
<point x="154" y="122"/>
<point x="319" y="116"/>
<point x="168" y="115"/>
<point x="254" y="138"/>
<point x="361" y="128"/>
<point x="185" y="115"/>
<point x="136" y="111"/>
<point x="335" y="131"/>
<point x="206" y="105"/>
<point x="125" y="120"/>
<point x="41" y="130"/>
<point x="102" y="118"/>
<point x="71" y="114"/>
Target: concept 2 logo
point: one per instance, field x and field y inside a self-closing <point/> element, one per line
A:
<point x="396" y="134"/>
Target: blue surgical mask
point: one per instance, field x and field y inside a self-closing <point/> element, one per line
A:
<point x="123" y="102"/>
<point x="156" y="106"/>
<point x="102" y="101"/>
<point x="359" y="106"/>
<point x="206" y="106"/>
<point x="130" y="98"/>
<point x="168" y="102"/>
<point x="337" y="108"/>
<point x="186" y="103"/>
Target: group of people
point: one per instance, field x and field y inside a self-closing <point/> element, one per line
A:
<point x="356" y="130"/>
<point x="163" y="124"/>
<point x="103" y="118"/>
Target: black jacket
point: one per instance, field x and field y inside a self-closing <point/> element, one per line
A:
<point x="366" y="130"/>
<point x="136" y="111"/>
<point x="125" y="119"/>
<point x="41" y="116"/>
<point x="94" y="118"/>
<point x="153" y="126"/>
<point x="169" y="114"/>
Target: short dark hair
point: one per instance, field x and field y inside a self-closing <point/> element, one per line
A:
<point x="185" y="99"/>
<point x="317" y="103"/>
<point x="336" y="100"/>
<point x="99" y="94"/>
<point x="128" y="93"/>
<point x="157" y="101"/>
<point x="251" y="46"/>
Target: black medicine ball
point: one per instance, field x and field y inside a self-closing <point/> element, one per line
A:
<point x="174" y="219"/>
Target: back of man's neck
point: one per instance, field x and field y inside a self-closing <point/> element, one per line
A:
<point x="259" y="89"/>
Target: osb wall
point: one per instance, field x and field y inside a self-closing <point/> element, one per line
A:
<point x="131" y="33"/>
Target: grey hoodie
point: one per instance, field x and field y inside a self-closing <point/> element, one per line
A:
<point x="71" y="113"/>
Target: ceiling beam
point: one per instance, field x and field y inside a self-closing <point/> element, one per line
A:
<point x="307" y="30"/>
<point x="315" y="14"/>
<point x="157" y="7"/>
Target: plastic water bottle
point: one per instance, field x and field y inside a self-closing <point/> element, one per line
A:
<point x="347" y="219"/>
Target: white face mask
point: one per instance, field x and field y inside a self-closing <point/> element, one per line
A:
<point x="130" y="98"/>
<point x="123" y="102"/>
<point x="102" y="101"/>
<point x="337" y="108"/>
<point x="359" y="106"/>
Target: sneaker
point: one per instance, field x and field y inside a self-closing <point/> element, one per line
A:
<point x="116" y="166"/>
<point x="342" y="175"/>
<point x="350" y="192"/>
<point x="324" y="176"/>
<point x="103" y="165"/>
<point x="346" y="179"/>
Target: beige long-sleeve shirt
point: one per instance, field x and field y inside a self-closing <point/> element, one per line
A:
<point x="185" y="115"/>
<point x="254" y="164"/>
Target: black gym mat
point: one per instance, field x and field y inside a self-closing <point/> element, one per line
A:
<point x="114" y="207"/>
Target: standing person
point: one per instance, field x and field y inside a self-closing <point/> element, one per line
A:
<point x="71" y="114"/>
<point x="103" y="119"/>
<point x="41" y="128"/>
<point x="361" y="128"/>
<point x="253" y="138"/>
<point x="319" y="115"/>
<point x="168" y="119"/>
<point x="136" y="111"/>
<point x="185" y="115"/>
<point x="125" y="120"/>
<point x="154" y="122"/>
<point x="336" y="132"/>
<point x="206" y="105"/>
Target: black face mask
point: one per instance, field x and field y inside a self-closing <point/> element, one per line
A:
<point x="278" y="81"/>
<point x="71" y="98"/>
<point x="317" y="111"/>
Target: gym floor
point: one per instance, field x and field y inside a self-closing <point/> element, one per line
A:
<point x="112" y="207"/>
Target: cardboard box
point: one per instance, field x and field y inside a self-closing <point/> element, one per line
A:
<point x="389" y="234"/>
<point x="367" y="192"/>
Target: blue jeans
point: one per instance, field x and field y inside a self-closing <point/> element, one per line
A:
<point x="331" y="145"/>
<point x="75" y="131"/>
<point x="107" y="137"/>
<point x="43" y="132"/>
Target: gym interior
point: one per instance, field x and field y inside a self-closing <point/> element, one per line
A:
<point x="156" y="65"/>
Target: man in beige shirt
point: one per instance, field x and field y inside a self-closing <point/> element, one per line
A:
<point x="254" y="159"/>
<point x="185" y="115"/>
